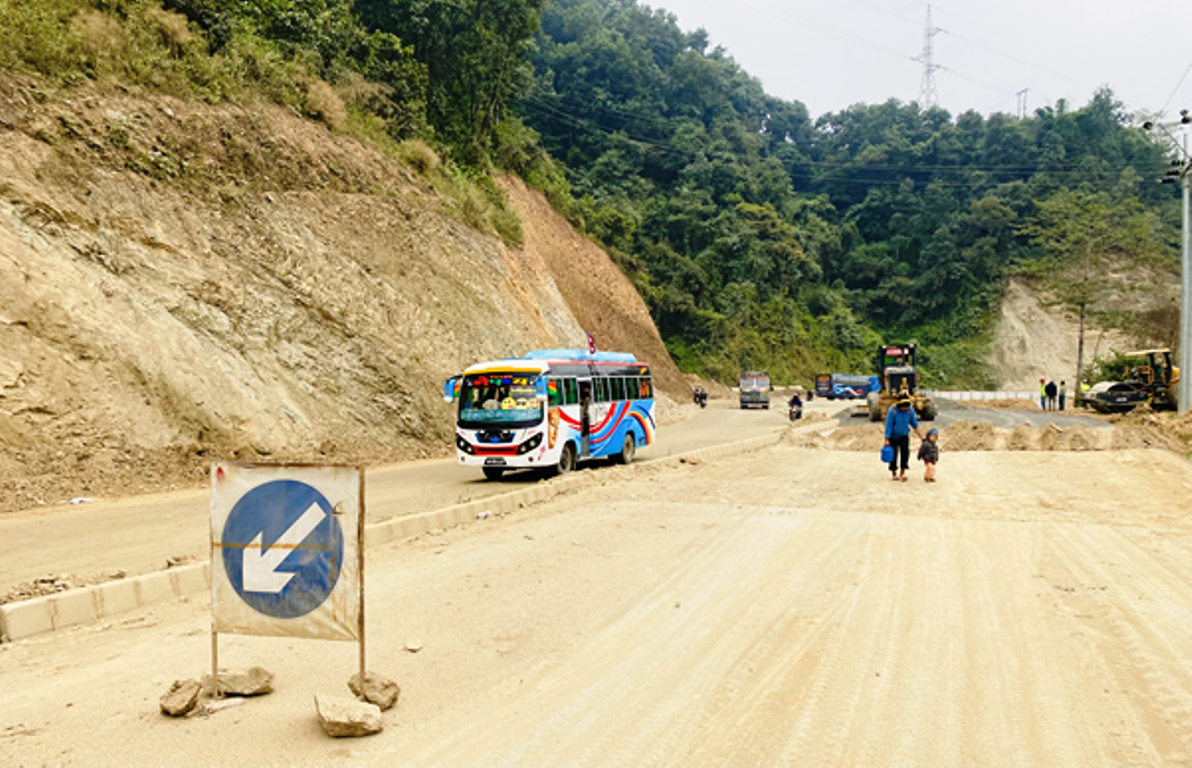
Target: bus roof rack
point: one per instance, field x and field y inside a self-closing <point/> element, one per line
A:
<point x="579" y="354"/>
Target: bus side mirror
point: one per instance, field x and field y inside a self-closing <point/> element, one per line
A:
<point x="451" y="389"/>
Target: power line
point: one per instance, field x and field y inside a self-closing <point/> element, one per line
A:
<point x="1175" y="90"/>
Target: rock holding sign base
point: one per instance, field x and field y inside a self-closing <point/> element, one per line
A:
<point x="341" y="716"/>
<point x="376" y="689"/>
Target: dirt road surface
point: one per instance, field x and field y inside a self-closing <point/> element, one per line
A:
<point x="790" y="606"/>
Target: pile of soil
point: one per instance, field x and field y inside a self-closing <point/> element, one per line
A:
<point x="1003" y="405"/>
<point x="969" y="436"/>
<point x="964" y="436"/>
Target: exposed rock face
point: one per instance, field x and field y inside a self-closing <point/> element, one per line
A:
<point x="305" y="306"/>
<point x="376" y="689"/>
<point x="341" y="716"/>
<point x="182" y="697"/>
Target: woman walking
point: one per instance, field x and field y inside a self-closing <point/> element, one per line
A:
<point x="900" y="420"/>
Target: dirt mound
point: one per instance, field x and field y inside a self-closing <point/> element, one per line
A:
<point x="182" y="282"/>
<point x="864" y="437"/>
<point x="969" y="436"/>
<point x="1022" y="438"/>
<point x="811" y="417"/>
<point x="1127" y="436"/>
<point x="1003" y="405"/>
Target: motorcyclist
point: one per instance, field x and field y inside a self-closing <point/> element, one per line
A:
<point x="796" y="406"/>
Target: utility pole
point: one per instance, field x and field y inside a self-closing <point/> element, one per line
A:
<point x="1022" y="102"/>
<point x="928" y="97"/>
<point x="1181" y="171"/>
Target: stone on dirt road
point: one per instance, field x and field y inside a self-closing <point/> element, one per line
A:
<point x="181" y="698"/>
<point x="255" y="681"/>
<point x="341" y="716"/>
<point x="377" y="689"/>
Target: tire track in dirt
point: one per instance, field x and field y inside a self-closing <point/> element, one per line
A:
<point x="1157" y="669"/>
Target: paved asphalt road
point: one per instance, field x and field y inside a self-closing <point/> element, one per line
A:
<point x="137" y="534"/>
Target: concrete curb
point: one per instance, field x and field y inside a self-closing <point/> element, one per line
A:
<point x="86" y="605"/>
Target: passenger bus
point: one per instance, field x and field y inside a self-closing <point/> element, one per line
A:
<point x="552" y="408"/>
<point x="754" y="389"/>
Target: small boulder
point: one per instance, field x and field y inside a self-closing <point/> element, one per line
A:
<point x="255" y="681"/>
<point x="376" y="689"/>
<point x="182" y="697"/>
<point x="342" y="717"/>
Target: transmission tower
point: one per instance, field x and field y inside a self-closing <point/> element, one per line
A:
<point x="928" y="96"/>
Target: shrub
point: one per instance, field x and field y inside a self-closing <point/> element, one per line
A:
<point x="323" y="102"/>
<point x="419" y="156"/>
<point x="173" y="26"/>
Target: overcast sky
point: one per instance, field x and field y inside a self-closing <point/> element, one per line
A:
<point x="830" y="54"/>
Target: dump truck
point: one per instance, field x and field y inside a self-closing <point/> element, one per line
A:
<point x="898" y="377"/>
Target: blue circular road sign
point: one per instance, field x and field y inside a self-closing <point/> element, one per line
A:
<point x="283" y="548"/>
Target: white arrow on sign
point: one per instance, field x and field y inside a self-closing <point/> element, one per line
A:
<point x="260" y="567"/>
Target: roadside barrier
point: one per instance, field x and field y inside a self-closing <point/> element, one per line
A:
<point x="963" y="395"/>
<point x="90" y="604"/>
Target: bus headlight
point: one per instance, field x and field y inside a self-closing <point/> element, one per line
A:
<point x="464" y="446"/>
<point x="530" y="444"/>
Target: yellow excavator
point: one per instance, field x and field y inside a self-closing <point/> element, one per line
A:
<point x="898" y="375"/>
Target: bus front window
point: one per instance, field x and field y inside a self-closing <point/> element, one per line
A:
<point x="499" y="400"/>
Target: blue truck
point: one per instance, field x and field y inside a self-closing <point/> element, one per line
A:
<point x="845" y="386"/>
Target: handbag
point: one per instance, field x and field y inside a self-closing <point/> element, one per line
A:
<point x="887" y="454"/>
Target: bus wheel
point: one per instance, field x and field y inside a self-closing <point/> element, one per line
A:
<point x="494" y="473"/>
<point x="566" y="460"/>
<point x="628" y="450"/>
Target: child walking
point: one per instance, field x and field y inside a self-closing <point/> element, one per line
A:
<point x="929" y="454"/>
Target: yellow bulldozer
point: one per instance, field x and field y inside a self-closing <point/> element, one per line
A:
<point x="898" y="377"/>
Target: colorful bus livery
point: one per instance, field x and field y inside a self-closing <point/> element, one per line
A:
<point x="846" y="386"/>
<point x="553" y="409"/>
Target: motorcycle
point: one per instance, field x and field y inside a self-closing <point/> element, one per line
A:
<point x="796" y="412"/>
<point x="701" y="398"/>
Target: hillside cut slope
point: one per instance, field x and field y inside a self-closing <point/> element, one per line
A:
<point x="180" y="282"/>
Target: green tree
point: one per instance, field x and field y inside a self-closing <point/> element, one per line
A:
<point x="1085" y="234"/>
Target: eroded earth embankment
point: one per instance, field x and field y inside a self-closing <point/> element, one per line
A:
<point x="181" y="281"/>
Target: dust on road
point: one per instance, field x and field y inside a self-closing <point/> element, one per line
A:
<point x="787" y="606"/>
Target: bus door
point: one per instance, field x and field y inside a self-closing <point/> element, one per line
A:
<point x="585" y="416"/>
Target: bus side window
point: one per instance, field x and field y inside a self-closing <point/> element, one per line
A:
<point x="623" y="391"/>
<point x="554" y="393"/>
<point x="601" y="389"/>
<point x="570" y="392"/>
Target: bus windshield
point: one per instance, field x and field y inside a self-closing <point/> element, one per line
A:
<point x="505" y="400"/>
<point x="754" y="382"/>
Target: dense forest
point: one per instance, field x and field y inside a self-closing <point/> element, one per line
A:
<point x="760" y="236"/>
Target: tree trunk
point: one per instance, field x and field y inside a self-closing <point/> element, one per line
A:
<point x="1080" y="357"/>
